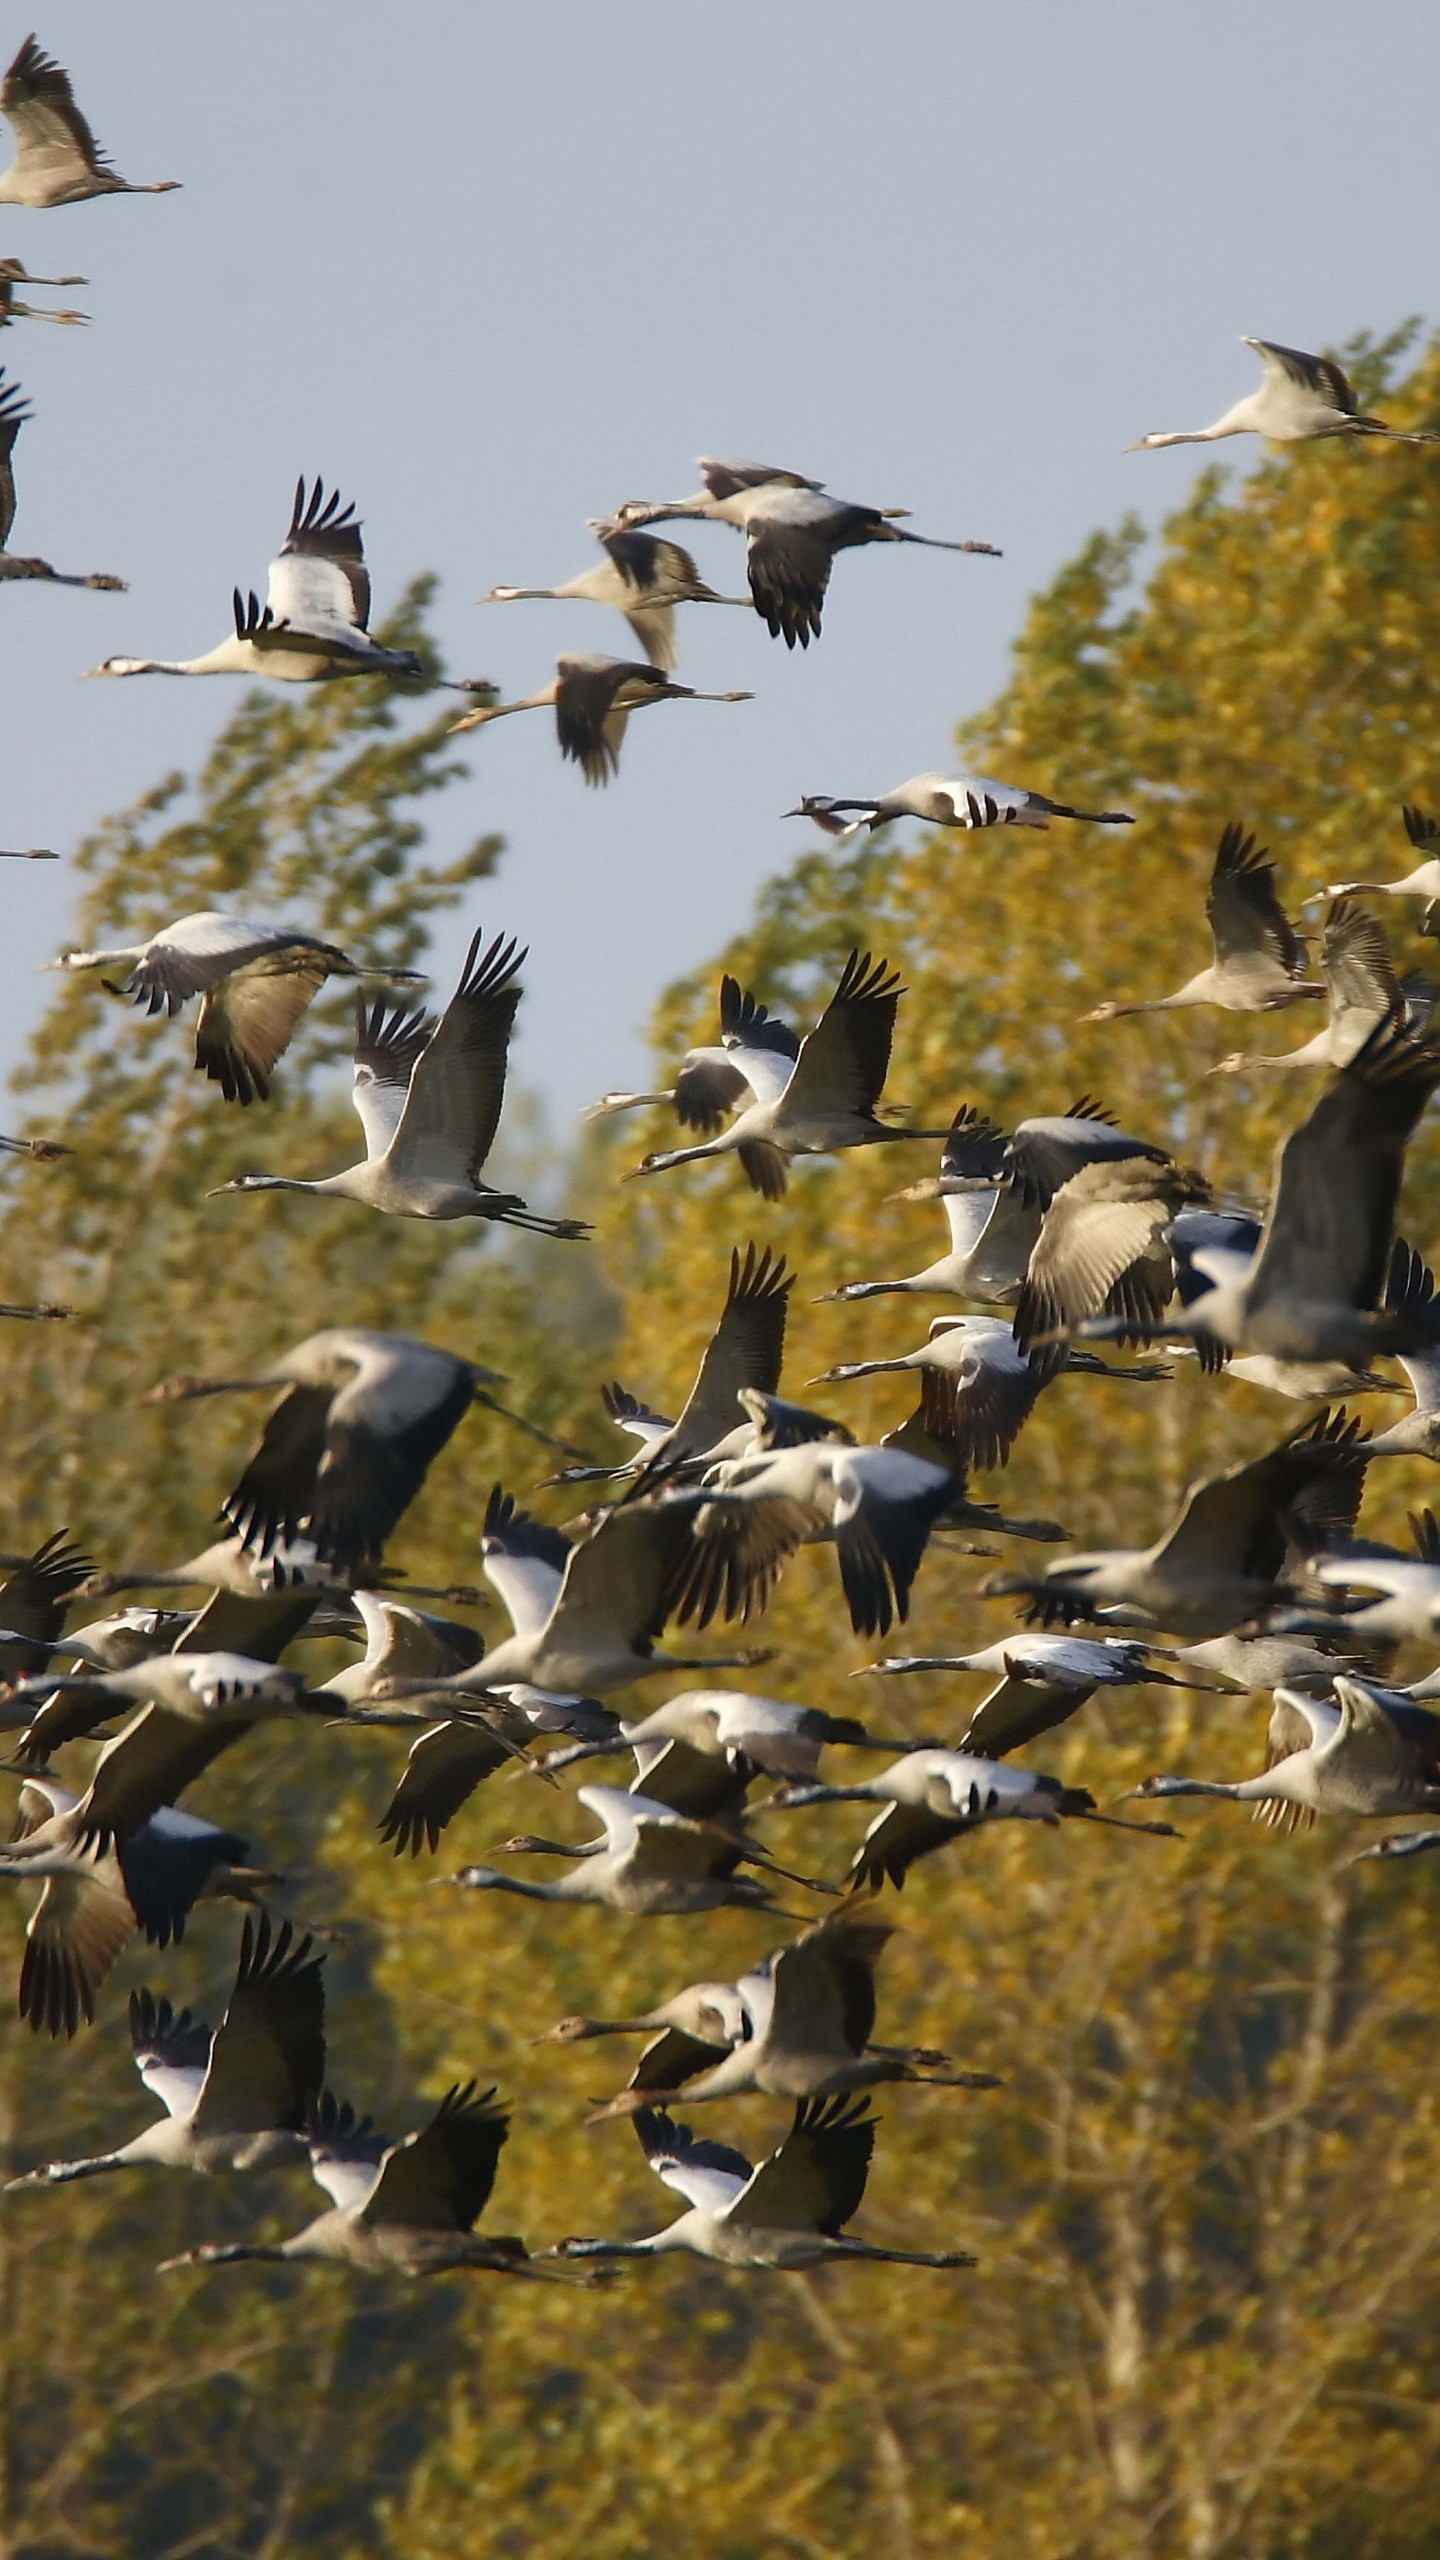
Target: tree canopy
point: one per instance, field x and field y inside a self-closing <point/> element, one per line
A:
<point x="1206" y="2321"/>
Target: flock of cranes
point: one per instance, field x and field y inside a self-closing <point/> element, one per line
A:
<point x="1064" y="1232"/>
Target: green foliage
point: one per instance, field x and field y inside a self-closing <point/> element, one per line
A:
<point x="1206" y="2323"/>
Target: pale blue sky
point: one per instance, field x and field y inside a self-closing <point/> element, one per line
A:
<point x="493" y="270"/>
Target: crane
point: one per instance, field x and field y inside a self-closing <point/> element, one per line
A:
<point x="647" y="1859"/>
<point x="406" y="2208"/>
<point x="1257" y="960"/>
<point x="1409" y="1291"/>
<point x="14" y="564"/>
<point x="348" y="1447"/>
<point x="1042" y="1680"/>
<point x="237" y="2098"/>
<point x="255" y="983"/>
<point x="745" y="1351"/>
<point x="592" y="698"/>
<point x="807" y="2013"/>
<point x="1361" y="991"/>
<point x="642" y="577"/>
<point x="1312" y="1289"/>
<point x="1362" y="1754"/>
<point x="1423" y="882"/>
<point x="750" y="1063"/>
<point x="789" y="2212"/>
<point x="829" y="1100"/>
<point x="13" y="273"/>
<point x="932" y="1796"/>
<point x="1301" y="397"/>
<point x="1219" y="1562"/>
<point x="57" y="158"/>
<point x="314" y="624"/>
<point x="970" y="1190"/>
<point x="794" y="532"/>
<point x="586" y="1617"/>
<point x="95" y="1896"/>
<point x="966" y="800"/>
<point x="428" y="1096"/>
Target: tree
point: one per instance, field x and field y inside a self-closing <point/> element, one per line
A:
<point x="1206" y="2323"/>
<point x="151" y="2416"/>
<point x="1205" y="2320"/>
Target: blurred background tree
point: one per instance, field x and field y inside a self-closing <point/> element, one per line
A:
<point x="1206" y="2325"/>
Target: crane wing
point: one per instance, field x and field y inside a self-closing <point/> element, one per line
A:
<point x="249" y="1019"/>
<point x="978" y="1408"/>
<point x="895" y="1839"/>
<point x="1410" y="1290"/>
<point x="843" y="1064"/>
<point x="887" y="1504"/>
<point x="345" y="2151"/>
<point x="171" y="2051"/>
<point x="1356" y="965"/>
<point x="76" y="1933"/>
<point x="709" y="1084"/>
<point x="151" y="1761"/>
<point x="444" y="1767"/>
<point x="816" y="2180"/>
<point x="52" y="138"/>
<point x="1106" y="1225"/>
<point x="440" y="2178"/>
<point x="1331" y="1220"/>
<point x="789" y="568"/>
<point x="390" y="1041"/>
<point x="622" y="1576"/>
<point x="709" y="2175"/>
<point x="728" y="479"/>
<point x="35" y="1593"/>
<point x="13" y="414"/>
<point x="523" y="1559"/>
<point x="375" y="1461"/>
<point x="824" y="1988"/>
<point x="320" y="576"/>
<point x="1019" y="1710"/>
<point x="1247" y="921"/>
<point x="165" y="1866"/>
<point x="1238" y="1523"/>
<point x="457" y="1088"/>
<point x="1320" y="374"/>
<point x="1044" y="1153"/>
<point x="276" y="1492"/>
<point x="267" y="2061"/>
<point x="746" y="1349"/>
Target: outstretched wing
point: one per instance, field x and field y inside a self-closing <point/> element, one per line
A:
<point x="440" y="2178"/>
<point x="249" y="1019"/>
<point x="816" y="2180"/>
<point x="445" y="1766"/>
<point x="1331" y="1221"/>
<point x="13" y="414"/>
<point x="390" y="1041"/>
<point x="448" y="1124"/>
<point x="843" y="1064"/>
<point x="35" y="1594"/>
<point x="1247" y="921"/>
<point x="746" y="1349"/>
<point x="320" y="576"/>
<point x="1320" y="374"/>
<point x="52" y="137"/>
<point x="276" y="1491"/>
<point x="267" y="2061"/>
<point x="77" y="1932"/>
<point x="709" y="2175"/>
